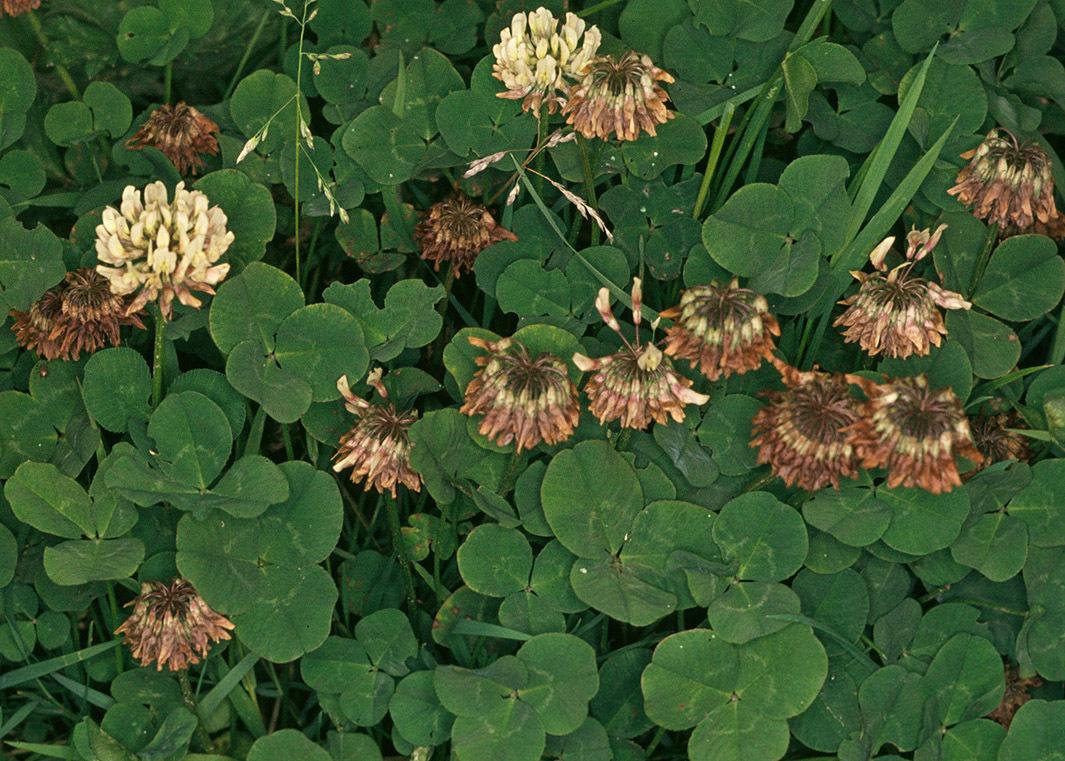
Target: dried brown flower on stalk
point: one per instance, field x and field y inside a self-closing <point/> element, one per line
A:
<point x="181" y="132"/>
<point x="378" y="446"/>
<point x="723" y="330"/>
<point x="1010" y="184"/>
<point x="523" y="399"/>
<point x="80" y="314"/>
<point x="894" y="312"/>
<point x="800" y="433"/>
<point x="638" y="384"/>
<point x="17" y="7"/>
<point x="171" y="625"/>
<point x="162" y="250"/>
<point x="914" y="431"/>
<point x="456" y="230"/>
<point x="994" y="440"/>
<point x="619" y="95"/>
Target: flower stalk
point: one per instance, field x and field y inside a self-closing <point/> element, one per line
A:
<point x="158" y="356"/>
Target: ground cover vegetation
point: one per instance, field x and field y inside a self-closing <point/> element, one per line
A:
<point x="497" y="381"/>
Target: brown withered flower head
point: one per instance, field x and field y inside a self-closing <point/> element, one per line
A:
<point x="17" y="7"/>
<point x="456" y="230"/>
<point x="378" y="446"/>
<point x="181" y="132"/>
<point x="619" y="95"/>
<point x="894" y="312"/>
<point x="914" y="431"/>
<point x="523" y="399"/>
<point x="723" y="330"/>
<point x="1010" y="184"/>
<point x="1016" y="695"/>
<point x="171" y="625"/>
<point x="78" y="315"/>
<point x="995" y="441"/>
<point x="800" y="432"/>
<point x="637" y="384"/>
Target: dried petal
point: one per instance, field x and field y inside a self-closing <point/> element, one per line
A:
<point x="723" y="330"/>
<point x="896" y="313"/>
<point x="171" y="625"/>
<point x="523" y="399"/>
<point x="1011" y="185"/>
<point x="181" y="132"/>
<point x="17" y="7"/>
<point x="80" y="314"/>
<point x="377" y="447"/>
<point x="914" y="431"/>
<point x="800" y="433"/>
<point x="619" y="95"/>
<point x="456" y="230"/>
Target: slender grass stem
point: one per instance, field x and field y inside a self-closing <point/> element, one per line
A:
<point x="542" y="123"/>
<point x="715" y="155"/>
<point x="60" y="69"/>
<point x="392" y="509"/>
<point x="300" y="127"/>
<point x="158" y="357"/>
<point x="597" y="7"/>
<point x="247" y="54"/>
<point x="985" y="257"/>
<point x="190" y="703"/>
<point x="589" y="183"/>
<point x="1057" y="349"/>
<point x="510" y="475"/>
<point x="168" y="82"/>
<point x="286" y="437"/>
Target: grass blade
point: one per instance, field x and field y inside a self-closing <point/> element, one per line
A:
<point x="872" y="172"/>
<point x="854" y="652"/>
<point x="36" y="670"/>
<point x="618" y="293"/>
<point x="888" y="214"/>
<point x="49" y="751"/>
<point x="18" y="717"/>
<point x="852" y="256"/>
<point x="84" y="692"/>
<point x="226" y="684"/>
<point x="481" y="629"/>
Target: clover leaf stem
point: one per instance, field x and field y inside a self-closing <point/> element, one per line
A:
<point x="158" y="357"/>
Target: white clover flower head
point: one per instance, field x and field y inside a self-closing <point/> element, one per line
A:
<point x="162" y="250"/>
<point x="537" y="61"/>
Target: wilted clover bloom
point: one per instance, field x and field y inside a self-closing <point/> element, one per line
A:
<point x="535" y="59"/>
<point x="181" y="132"/>
<point x="456" y="230"/>
<point x="159" y="249"/>
<point x="17" y="7"/>
<point x="171" y="625"/>
<point x="995" y="441"/>
<point x="723" y="330"/>
<point x="1011" y="185"/>
<point x="914" y="431"/>
<point x="619" y="95"/>
<point x="523" y="399"/>
<point x="638" y="384"/>
<point x="894" y="312"/>
<point x="378" y="446"/>
<point x="800" y="432"/>
<point x="80" y="314"/>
